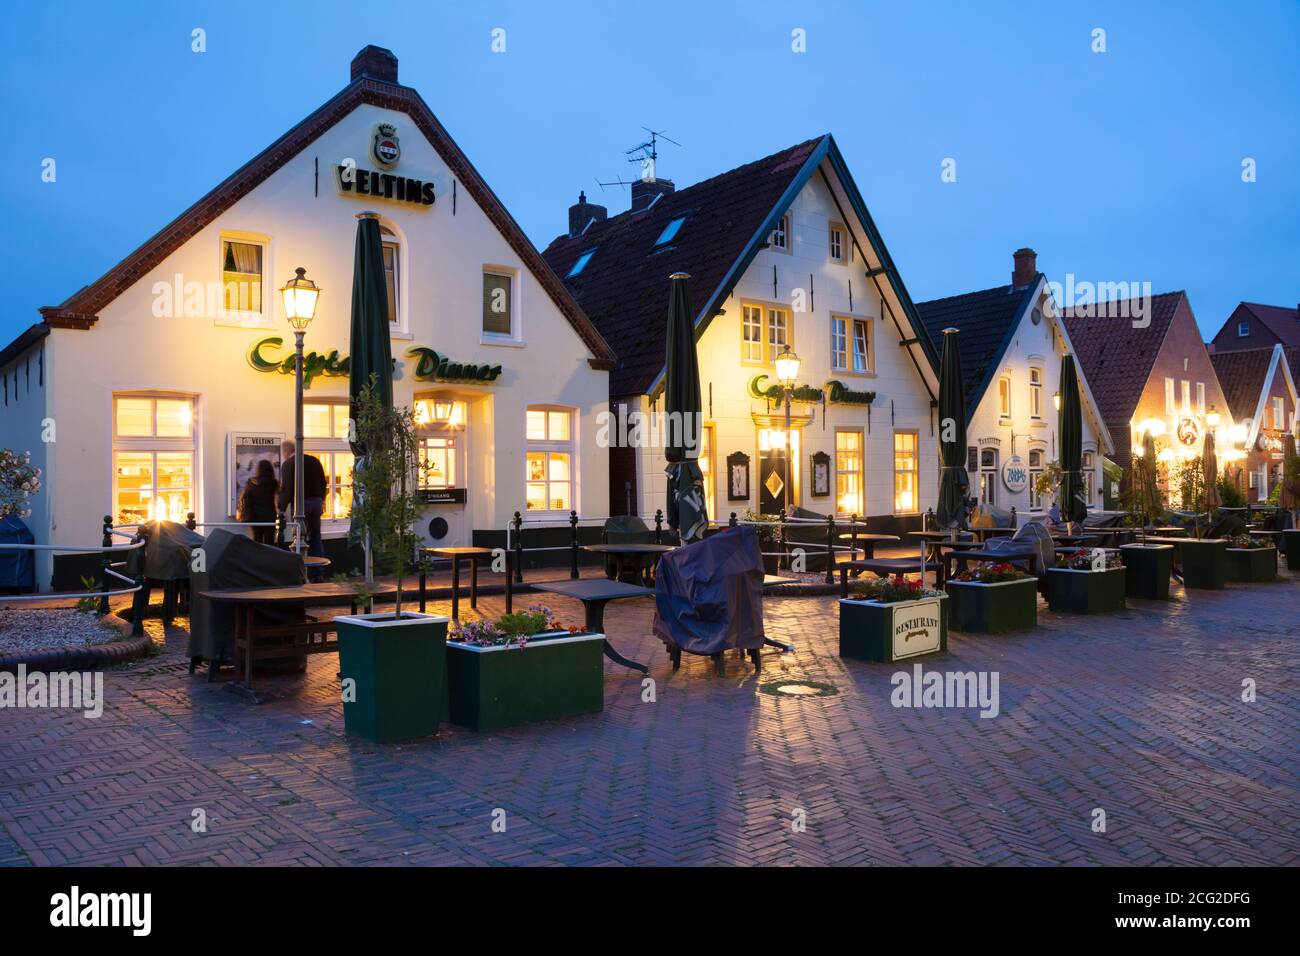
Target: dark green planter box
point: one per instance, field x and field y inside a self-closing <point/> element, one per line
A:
<point x="892" y="632"/>
<point x="993" y="608"/>
<point x="1086" y="592"/>
<point x="1205" y="563"/>
<point x="1291" y="548"/>
<point x="1252" y="565"/>
<point x="398" y="670"/>
<point x="1146" y="570"/>
<point x="556" y="675"/>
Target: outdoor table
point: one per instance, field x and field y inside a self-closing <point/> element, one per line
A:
<point x="963" y="557"/>
<point x="931" y="539"/>
<point x="595" y="593"/>
<point x="1076" y="540"/>
<point x="868" y="540"/>
<point x="316" y="633"/>
<point x="1168" y="530"/>
<point x="474" y="556"/>
<point x="643" y="556"/>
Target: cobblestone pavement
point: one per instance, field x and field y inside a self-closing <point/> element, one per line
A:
<point x="1138" y="714"/>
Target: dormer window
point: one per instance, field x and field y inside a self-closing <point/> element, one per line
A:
<point x="580" y="264"/>
<point x="670" y="231"/>
<point x="1243" y="330"/>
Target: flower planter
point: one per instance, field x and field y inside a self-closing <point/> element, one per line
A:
<point x="993" y="608"/>
<point x="557" y="674"/>
<point x="397" y="667"/>
<point x="872" y="631"/>
<point x="1086" y="592"/>
<point x="1146" y="570"/>
<point x="1291" y="548"/>
<point x="1252" y="565"/>
<point x="1205" y="562"/>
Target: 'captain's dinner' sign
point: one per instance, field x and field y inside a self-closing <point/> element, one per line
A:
<point x="430" y="366"/>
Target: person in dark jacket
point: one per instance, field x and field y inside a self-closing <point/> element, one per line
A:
<point x="257" y="502"/>
<point x="313" y="494"/>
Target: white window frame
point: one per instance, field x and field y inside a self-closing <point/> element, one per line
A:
<point x="780" y="238"/>
<point x="832" y="228"/>
<point x="1089" y="468"/>
<point x="1035" y="472"/>
<point x="516" y="335"/>
<point x="390" y="238"/>
<point x="1186" y="387"/>
<point x="1200" y="399"/>
<point x="1171" y="399"/>
<point x="240" y="318"/>
<point x="858" y="475"/>
<point x="551" y="446"/>
<point x="769" y="352"/>
<point x="1243" y="330"/>
<point x="154" y="445"/>
<point x="1035" y="392"/>
<point x="915" y="471"/>
<point x="1004" y="397"/>
<point x="989" y="476"/>
<point x="1279" y="413"/>
<point x="319" y="445"/>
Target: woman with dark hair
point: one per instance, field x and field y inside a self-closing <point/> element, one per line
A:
<point x="257" y="502"/>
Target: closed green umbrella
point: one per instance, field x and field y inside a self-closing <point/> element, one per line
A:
<point x="687" y="509"/>
<point x="1147" y="486"/>
<point x="1289" y="497"/>
<point x="371" y="354"/>
<point x="1073" y="505"/>
<point x="954" y="484"/>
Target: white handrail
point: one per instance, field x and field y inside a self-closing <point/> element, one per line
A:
<point x="71" y="549"/>
<point x="62" y="595"/>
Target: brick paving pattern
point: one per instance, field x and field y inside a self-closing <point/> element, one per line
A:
<point x="1137" y="713"/>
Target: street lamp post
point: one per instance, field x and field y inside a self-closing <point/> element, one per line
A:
<point x="300" y="295"/>
<point x="787" y="373"/>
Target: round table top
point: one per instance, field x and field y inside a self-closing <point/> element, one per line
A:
<point x="453" y="550"/>
<point x="629" y="548"/>
<point x="868" y="536"/>
<point x="937" y="535"/>
<point x="315" y="561"/>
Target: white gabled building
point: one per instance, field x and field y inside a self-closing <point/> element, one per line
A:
<point x="780" y="251"/>
<point x="1012" y="341"/>
<point x="168" y="377"/>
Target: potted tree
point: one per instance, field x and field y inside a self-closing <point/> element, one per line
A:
<point x="771" y="534"/>
<point x="521" y="668"/>
<point x="1251" y="560"/>
<point x="1086" y="581"/>
<point x="1204" y="560"/>
<point x="1147" y="565"/>
<point x="992" y="599"/>
<point x="890" y="619"/>
<point x="1288" y="500"/>
<point x="391" y="661"/>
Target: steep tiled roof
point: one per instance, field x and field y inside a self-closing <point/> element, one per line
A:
<point x="985" y="321"/>
<point x="624" y="287"/>
<point x="1241" y="376"/>
<point x="80" y="310"/>
<point x="1116" y="357"/>
<point x="1283" y="321"/>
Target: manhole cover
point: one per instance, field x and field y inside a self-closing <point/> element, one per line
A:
<point x="798" y="688"/>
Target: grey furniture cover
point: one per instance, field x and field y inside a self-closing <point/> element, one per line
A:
<point x="988" y="516"/>
<point x="237" y="561"/>
<point x="709" y="595"/>
<point x="1031" y="534"/>
<point x="167" y="552"/>
<point x="17" y="569"/>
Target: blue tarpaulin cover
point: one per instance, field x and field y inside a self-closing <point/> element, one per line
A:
<point x="17" y="569"/>
<point x="709" y="595"/>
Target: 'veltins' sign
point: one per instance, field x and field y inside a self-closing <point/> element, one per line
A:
<point x="356" y="181"/>
<point x="430" y="366"/>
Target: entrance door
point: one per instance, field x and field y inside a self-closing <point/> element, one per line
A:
<point x="773" y="477"/>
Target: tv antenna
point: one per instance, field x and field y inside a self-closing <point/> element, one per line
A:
<point x="645" y="155"/>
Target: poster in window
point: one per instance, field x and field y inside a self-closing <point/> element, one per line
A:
<point x="245" y="450"/>
<point x="738" y="476"/>
<point x="821" y="474"/>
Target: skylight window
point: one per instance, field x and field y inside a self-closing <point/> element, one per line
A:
<point x="670" y="231"/>
<point x="581" y="263"/>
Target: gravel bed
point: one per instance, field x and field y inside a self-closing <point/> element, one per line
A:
<point x="36" y="629"/>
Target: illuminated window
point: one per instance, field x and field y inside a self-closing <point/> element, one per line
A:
<point x="438" y="462"/>
<point x="778" y="332"/>
<point x="1187" y="397"/>
<point x="752" y="334"/>
<point x="906" y="460"/>
<point x="1200" y="398"/>
<point x="839" y="343"/>
<point x="153" y="458"/>
<point x="1036" y="393"/>
<point x="1279" y="414"/>
<point x="848" y="472"/>
<point x="241" y="275"/>
<point x="325" y="437"/>
<point x="1004" y="396"/>
<point x="706" y="465"/>
<point x="1171" y="403"/>
<point x="549" y="460"/>
<point x="861" y="345"/>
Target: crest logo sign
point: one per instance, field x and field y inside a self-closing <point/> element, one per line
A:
<point x="386" y="147"/>
<point x="1188" y="431"/>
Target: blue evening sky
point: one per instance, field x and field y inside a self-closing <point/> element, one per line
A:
<point x="1123" y="165"/>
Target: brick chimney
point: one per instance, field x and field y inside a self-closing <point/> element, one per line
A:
<point x="582" y="212"/>
<point x="376" y="63"/>
<point x="1026" y="267"/>
<point x="644" y="192"/>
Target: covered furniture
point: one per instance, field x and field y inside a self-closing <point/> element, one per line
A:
<point x="709" y="597"/>
<point x="630" y="529"/>
<point x="236" y="561"/>
<point x="164" y="560"/>
<point x="1031" y="536"/>
<point x="17" y="569"/>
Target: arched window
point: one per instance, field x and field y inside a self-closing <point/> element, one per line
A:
<point x="988" y="476"/>
<point x="1035" y="473"/>
<point x="392" y="267"/>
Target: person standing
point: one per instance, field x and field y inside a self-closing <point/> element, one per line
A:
<point x="313" y="495"/>
<point x="257" y="502"/>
